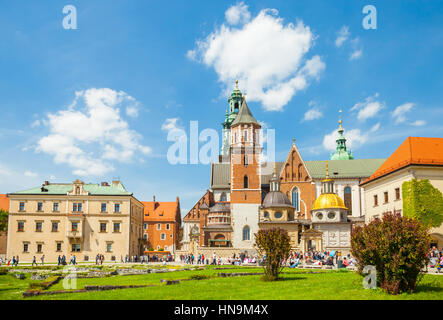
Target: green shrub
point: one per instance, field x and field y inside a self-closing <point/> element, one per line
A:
<point x="3" y="271"/>
<point x="397" y="247"/>
<point x="275" y="244"/>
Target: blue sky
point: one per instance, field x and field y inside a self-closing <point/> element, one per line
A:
<point x="94" y="103"/>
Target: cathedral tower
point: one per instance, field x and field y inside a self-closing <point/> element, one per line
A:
<point x="245" y="165"/>
<point x="234" y="103"/>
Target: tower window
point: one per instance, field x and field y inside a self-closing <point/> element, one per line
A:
<point x="348" y="199"/>
<point x="245" y="160"/>
<point x="246" y="233"/>
<point x="246" y="135"/>
<point x="223" y="197"/>
<point x="245" y="182"/>
<point x="296" y="199"/>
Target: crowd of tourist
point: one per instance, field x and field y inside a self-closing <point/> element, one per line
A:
<point x="435" y="258"/>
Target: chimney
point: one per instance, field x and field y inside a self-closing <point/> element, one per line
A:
<point x="46" y="183"/>
<point x="154" y="198"/>
<point x="104" y="184"/>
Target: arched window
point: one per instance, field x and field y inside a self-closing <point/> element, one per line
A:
<point x="245" y="182"/>
<point x="77" y="190"/>
<point x="246" y="135"/>
<point x="223" y="197"/>
<point x="348" y="199"/>
<point x="246" y="233"/>
<point x="296" y="199"/>
<point x="245" y="161"/>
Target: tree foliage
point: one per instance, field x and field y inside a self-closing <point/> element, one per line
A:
<point x="274" y="244"/>
<point x="422" y="201"/>
<point x="3" y="220"/>
<point x="397" y="247"/>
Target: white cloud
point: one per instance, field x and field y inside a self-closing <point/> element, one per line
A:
<point x="342" y="36"/>
<point x="88" y="138"/>
<point x="399" y="113"/>
<point x="171" y="124"/>
<point x="265" y="55"/>
<point x="356" y="54"/>
<point x="237" y="14"/>
<point x="36" y="123"/>
<point x="354" y="139"/>
<point x="132" y="111"/>
<point x="312" y="114"/>
<point x="30" y="174"/>
<point x="418" y="123"/>
<point x="368" y="108"/>
<point x="375" y="127"/>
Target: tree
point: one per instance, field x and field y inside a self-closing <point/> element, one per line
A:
<point x="422" y="201"/>
<point x="275" y="244"/>
<point x="3" y="220"/>
<point x="397" y="247"/>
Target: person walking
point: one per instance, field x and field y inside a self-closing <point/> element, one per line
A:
<point x="59" y="260"/>
<point x="16" y="261"/>
<point x="33" y="261"/>
<point x="74" y="260"/>
<point x="43" y="259"/>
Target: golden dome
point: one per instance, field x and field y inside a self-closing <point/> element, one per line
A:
<point x="328" y="201"/>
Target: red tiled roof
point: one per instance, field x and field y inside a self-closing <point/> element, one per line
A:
<point x="4" y="202"/>
<point x="161" y="211"/>
<point x="413" y="151"/>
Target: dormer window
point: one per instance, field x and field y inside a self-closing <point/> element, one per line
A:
<point x="77" y="190"/>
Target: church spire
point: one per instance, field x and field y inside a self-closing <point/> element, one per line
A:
<point x="341" y="152"/>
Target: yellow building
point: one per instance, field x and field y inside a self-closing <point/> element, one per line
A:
<point x="75" y="219"/>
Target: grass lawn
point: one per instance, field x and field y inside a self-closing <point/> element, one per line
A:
<point x="295" y="284"/>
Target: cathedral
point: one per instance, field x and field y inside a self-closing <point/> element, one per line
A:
<point x="317" y="202"/>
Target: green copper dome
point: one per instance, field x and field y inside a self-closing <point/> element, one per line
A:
<point x="341" y="153"/>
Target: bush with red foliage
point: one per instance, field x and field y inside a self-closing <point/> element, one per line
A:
<point x="397" y="246"/>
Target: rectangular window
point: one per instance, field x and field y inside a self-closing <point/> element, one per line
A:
<point x="145" y="226"/>
<point x="38" y="227"/>
<point x="39" y="247"/>
<point x="167" y="226"/>
<point x="77" y="207"/>
<point x="55" y="207"/>
<point x="59" y="246"/>
<point x="145" y="236"/>
<point x="375" y="200"/>
<point x="74" y="226"/>
<point x="75" y="247"/>
<point x="158" y="226"/>
<point x="40" y="206"/>
<point x="54" y="226"/>
<point x="102" y="227"/>
<point x="74" y="207"/>
<point x="163" y="236"/>
<point x="109" y="247"/>
<point x="386" y="197"/>
<point x="22" y="206"/>
<point x="117" y="207"/>
<point x="116" y="227"/>
<point x="25" y="247"/>
<point x="20" y="226"/>
<point x="397" y="193"/>
<point x="80" y="209"/>
<point x="103" y="208"/>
